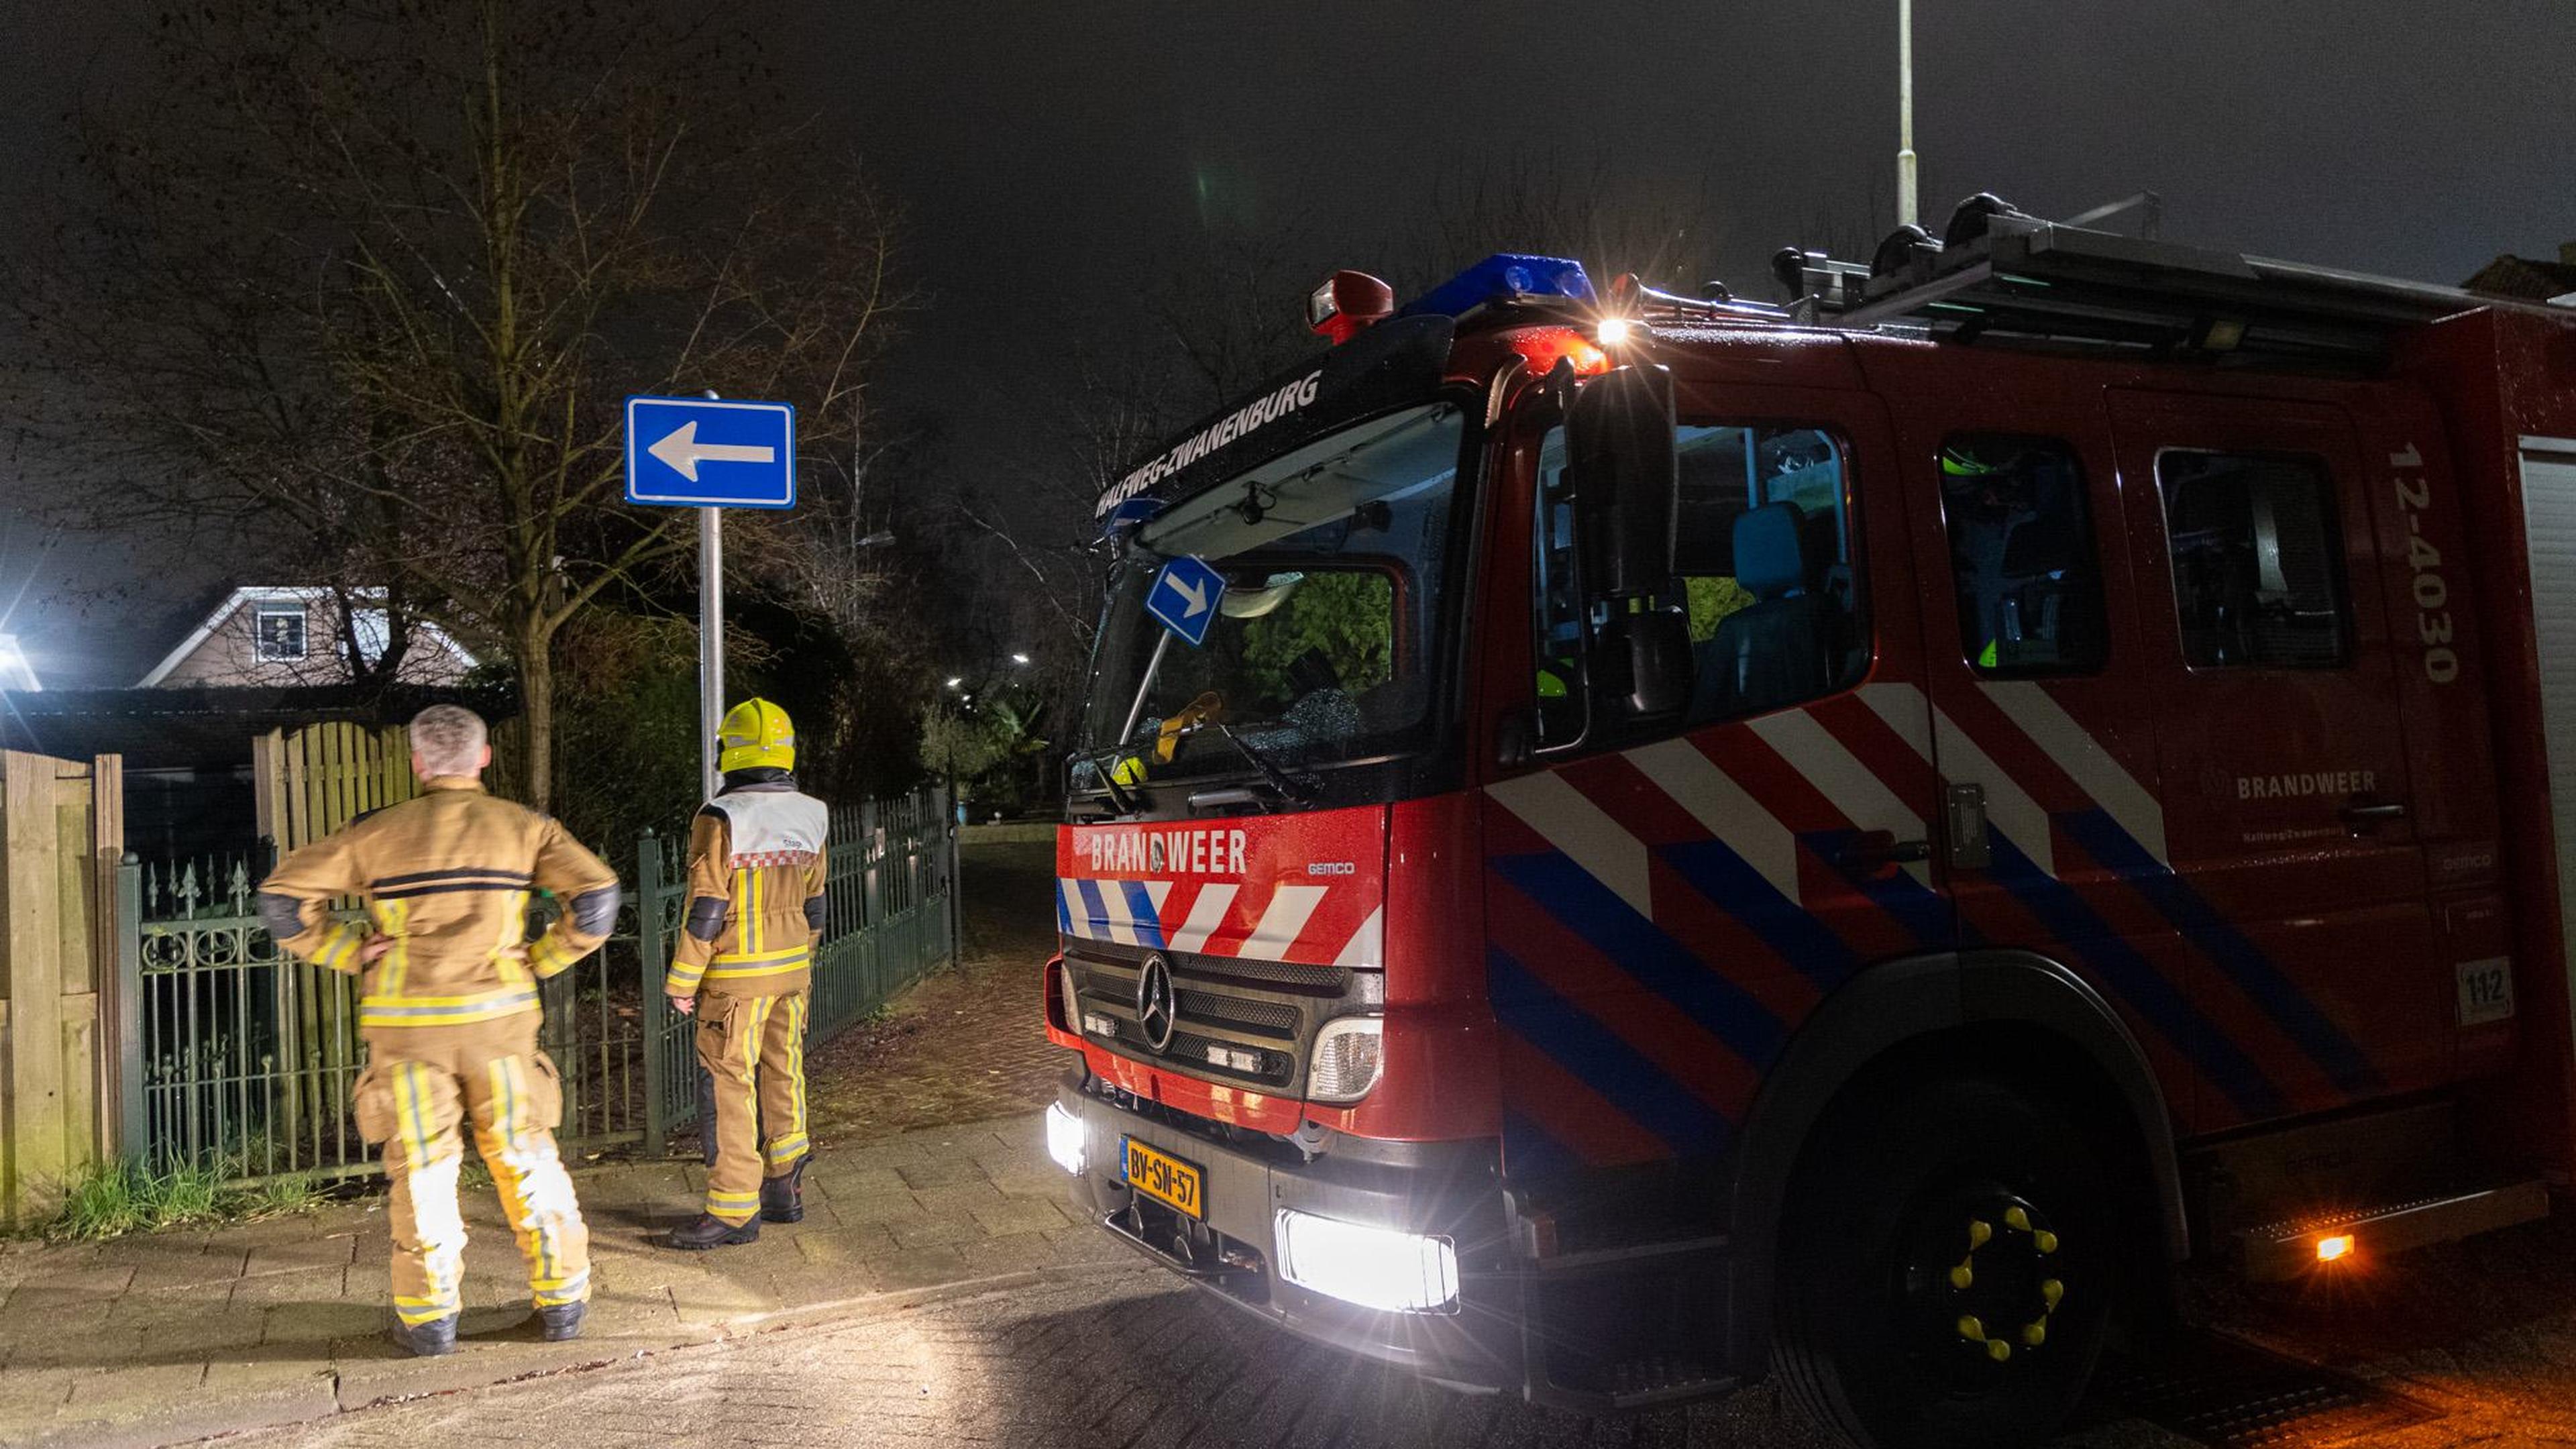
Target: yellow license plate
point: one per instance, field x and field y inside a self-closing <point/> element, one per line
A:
<point x="1164" y="1178"/>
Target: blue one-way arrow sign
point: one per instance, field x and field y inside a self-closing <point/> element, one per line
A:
<point x="1185" y="597"/>
<point x="696" y="452"/>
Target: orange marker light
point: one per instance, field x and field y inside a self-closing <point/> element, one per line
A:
<point x="2338" y="1246"/>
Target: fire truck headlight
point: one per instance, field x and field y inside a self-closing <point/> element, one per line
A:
<point x="1350" y="1052"/>
<point x="1066" y="994"/>
<point x="1066" y="1140"/>
<point x="1614" y="331"/>
<point x="1378" y="1268"/>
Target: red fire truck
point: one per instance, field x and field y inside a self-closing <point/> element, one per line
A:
<point x="1621" y="842"/>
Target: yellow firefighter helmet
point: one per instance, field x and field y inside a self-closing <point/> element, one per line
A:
<point x="755" y="733"/>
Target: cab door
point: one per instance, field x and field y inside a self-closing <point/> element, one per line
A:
<point x="2291" y="866"/>
<point x="1666" y="903"/>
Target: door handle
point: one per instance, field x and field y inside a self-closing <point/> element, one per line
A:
<point x="1874" y="849"/>
<point x="1972" y="846"/>
<point x="2361" y="816"/>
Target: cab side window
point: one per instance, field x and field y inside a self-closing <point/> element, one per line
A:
<point x="2023" y="559"/>
<point x="1764" y="556"/>
<point x="2258" y="567"/>
<point x="1559" y="596"/>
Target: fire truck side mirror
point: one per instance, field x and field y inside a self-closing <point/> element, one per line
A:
<point x="1627" y="490"/>
<point x="1627" y="494"/>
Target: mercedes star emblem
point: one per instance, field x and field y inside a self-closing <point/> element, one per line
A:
<point x="1154" y="1013"/>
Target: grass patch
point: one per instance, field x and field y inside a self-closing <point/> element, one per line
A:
<point x="113" y="1199"/>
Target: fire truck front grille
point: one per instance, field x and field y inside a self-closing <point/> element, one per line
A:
<point x="1189" y="965"/>
<point x="1265" y="1017"/>
<point x="1231" y="1025"/>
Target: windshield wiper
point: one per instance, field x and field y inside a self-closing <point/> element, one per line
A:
<point x="1279" y="779"/>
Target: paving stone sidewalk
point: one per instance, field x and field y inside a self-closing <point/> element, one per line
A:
<point x="177" y="1335"/>
<point x="170" y="1336"/>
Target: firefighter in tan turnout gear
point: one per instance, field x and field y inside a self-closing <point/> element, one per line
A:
<point x="745" y="957"/>
<point x="448" y="1009"/>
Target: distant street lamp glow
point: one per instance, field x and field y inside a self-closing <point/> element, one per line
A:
<point x="17" y="676"/>
<point x="878" y="539"/>
<point x="955" y="680"/>
<point x="1019" y="659"/>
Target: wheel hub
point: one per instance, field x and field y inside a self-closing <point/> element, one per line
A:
<point x="1984" y="1281"/>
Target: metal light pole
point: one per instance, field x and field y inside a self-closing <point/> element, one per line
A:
<point x="710" y="641"/>
<point x="1905" y="208"/>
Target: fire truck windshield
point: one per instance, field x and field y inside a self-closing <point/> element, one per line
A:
<point x="1322" y="651"/>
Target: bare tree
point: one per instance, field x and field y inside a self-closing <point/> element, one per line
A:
<point x="368" y="279"/>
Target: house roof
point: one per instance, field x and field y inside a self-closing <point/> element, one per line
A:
<point x="249" y="595"/>
<point x="206" y="727"/>
<point x="2523" y="277"/>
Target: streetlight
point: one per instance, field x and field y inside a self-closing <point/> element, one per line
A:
<point x="1021" y="659"/>
<point x="1905" y="210"/>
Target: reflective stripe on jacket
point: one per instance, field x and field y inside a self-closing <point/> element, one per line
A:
<point x="757" y="866"/>
<point x="447" y="877"/>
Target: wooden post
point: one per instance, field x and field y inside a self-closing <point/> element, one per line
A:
<point x="106" y="857"/>
<point x="33" y="1138"/>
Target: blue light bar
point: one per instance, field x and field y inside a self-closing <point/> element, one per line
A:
<point x="1501" y="278"/>
<point x="1129" y="515"/>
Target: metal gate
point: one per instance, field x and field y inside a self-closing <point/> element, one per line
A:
<point x="241" y="1058"/>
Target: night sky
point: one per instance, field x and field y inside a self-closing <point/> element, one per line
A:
<point x="1049" y="154"/>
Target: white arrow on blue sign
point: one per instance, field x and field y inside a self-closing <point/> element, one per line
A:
<point x="1185" y="597"/>
<point x="695" y="452"/>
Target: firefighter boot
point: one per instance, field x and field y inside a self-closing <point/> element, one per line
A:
<point x="561" y="1321"/>
<point x="427" y="1340"/>
<point x="782" y="1198"/>
<point x="710" y="1231"/>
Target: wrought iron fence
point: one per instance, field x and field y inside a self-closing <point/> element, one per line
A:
<point x="246" y="1057"/>
<point x="241" y="1057"/>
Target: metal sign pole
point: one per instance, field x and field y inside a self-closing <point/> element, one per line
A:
<point x="1905" y="211"/>
<point x="710" y="640"/>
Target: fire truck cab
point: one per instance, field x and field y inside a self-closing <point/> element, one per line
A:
<point x="1622" y="841"/>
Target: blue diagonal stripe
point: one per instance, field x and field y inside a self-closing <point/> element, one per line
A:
<point x="1597" y="1056"/>
<point x="1530" y="1150"/>
<point x="1094" y="907"/>
<point x="2069" y="920"/>
<point x="1637" y="946"/>
<point x="1140" y="905"/>
<point x="2227" y="948"/>
<point x="1713" y="869"/>
<point x="1924" y="912"/>
<point x="1063" y="914"/>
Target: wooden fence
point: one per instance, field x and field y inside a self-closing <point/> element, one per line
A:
<point x="62" y="832"/>
<point x="312" y="781"/>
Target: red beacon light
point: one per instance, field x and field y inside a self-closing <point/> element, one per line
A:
<point x="1544" y="347"/>
<point x="1347" y="304"/>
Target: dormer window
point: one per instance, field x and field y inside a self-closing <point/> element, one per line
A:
<point x="280" y="632"/>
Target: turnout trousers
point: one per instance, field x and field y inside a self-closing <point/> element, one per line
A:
<point x="753" y="1048"/>
<point x="421" y="1086"/>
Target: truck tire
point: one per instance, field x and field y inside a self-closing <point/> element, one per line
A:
<point x="1946" y="1268"/>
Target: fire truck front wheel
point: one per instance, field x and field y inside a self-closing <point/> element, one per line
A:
<point x="1944" y="1268"/>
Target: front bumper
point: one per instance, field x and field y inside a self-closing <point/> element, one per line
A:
<point x="1436" y="1189"/>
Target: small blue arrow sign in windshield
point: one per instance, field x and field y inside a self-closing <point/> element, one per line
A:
<point x="1185" y="597"/>
<point x="695" y="452"/>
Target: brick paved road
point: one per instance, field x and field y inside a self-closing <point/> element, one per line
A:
<point x="1124" y="1358"/>
<point x="1118" y="1358"/>
<point x="965" y="1045"/>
